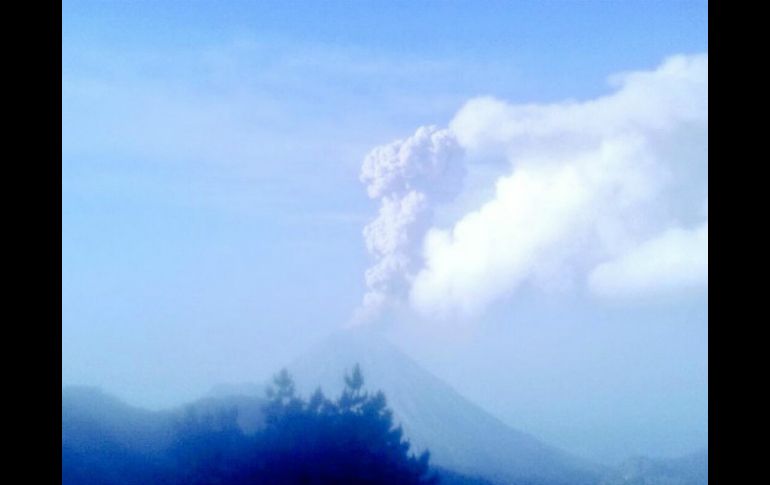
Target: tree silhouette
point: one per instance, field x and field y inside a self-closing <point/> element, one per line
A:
<point x="352" y="440"/>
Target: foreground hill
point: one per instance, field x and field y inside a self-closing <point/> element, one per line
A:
<point x="107" y="442"/>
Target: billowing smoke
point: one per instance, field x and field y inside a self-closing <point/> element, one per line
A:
<point x="607" y="196"/>
<point x="409" y="177"/>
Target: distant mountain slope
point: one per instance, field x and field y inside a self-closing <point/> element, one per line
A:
<point x="449" y="477"/>
<point x="460" y="435"/>
<point x="687" y="470"/>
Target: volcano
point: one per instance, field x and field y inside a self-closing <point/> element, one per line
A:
<point x="460" y="435"/>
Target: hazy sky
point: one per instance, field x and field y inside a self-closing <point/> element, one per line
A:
<point x="516" y="192"/>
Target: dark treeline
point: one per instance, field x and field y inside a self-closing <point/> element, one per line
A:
<point x="348" y="440"/>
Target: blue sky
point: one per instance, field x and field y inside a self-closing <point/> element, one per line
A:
<point x="212" y="211"/>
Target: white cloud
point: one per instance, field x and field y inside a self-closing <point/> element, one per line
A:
<point x="593" y="184"/>
<point x="675" y="259"/>
<point x="647" y="101"/>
